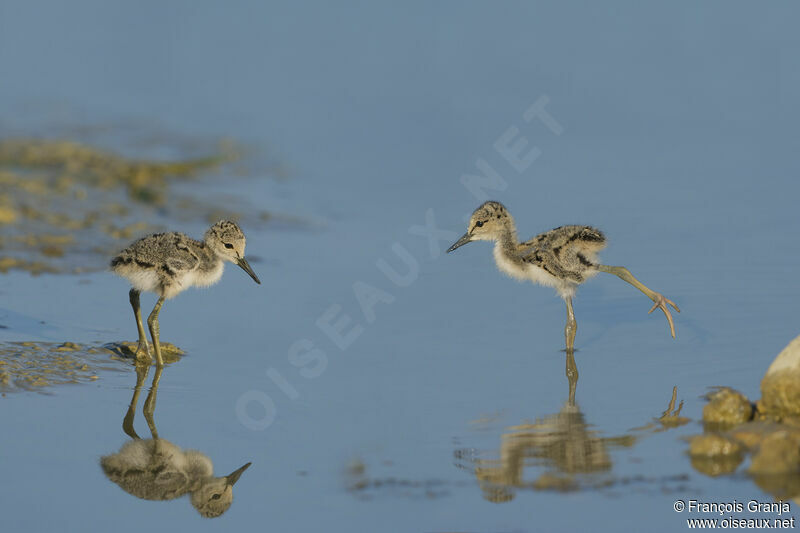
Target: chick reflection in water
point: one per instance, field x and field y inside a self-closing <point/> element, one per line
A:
<point x="561" y="443"/>
<point x="571" y="455"/>
<point x="156" y="469"/>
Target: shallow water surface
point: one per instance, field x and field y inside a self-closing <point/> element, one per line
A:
<point x="374" y="382"/>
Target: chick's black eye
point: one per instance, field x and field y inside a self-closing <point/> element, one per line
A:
<point x="216" y="496"/>
<point x="228" y="245"/>
<point x="479" y="223"/>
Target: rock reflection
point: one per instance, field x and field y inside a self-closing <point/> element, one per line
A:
<point x="562" y="448"/>
<point x="156" y="469"/>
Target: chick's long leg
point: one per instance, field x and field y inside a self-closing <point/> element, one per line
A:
<point x="659" y="301"/>
<point x="142" y="349"/>
<point x="152" y="323"/>
<point x="571" y="328"/>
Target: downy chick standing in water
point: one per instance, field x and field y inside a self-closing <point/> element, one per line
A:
<point x="169" y="263"/>
<point x="561" y="258"/>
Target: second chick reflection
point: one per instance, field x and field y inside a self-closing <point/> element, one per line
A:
<point x="562" y="443"/>
<point x="156" y="469"/>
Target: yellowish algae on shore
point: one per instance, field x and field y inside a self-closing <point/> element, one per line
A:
<point x="66" y="164"/>
<point x="39" y="366"/>
<point x="66" y="206"/>
<point x="127" y="350"/>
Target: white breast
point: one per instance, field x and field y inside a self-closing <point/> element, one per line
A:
<point x="507" y="266"/>
<point x="205" y="279"/>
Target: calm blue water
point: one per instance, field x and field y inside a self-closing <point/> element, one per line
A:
<point x="677" y="137"/>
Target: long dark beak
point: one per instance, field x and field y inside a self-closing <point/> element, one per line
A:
<point x="460" y="242"/>
<point x="242" y="262"/>
<point x="234" y="476"/>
